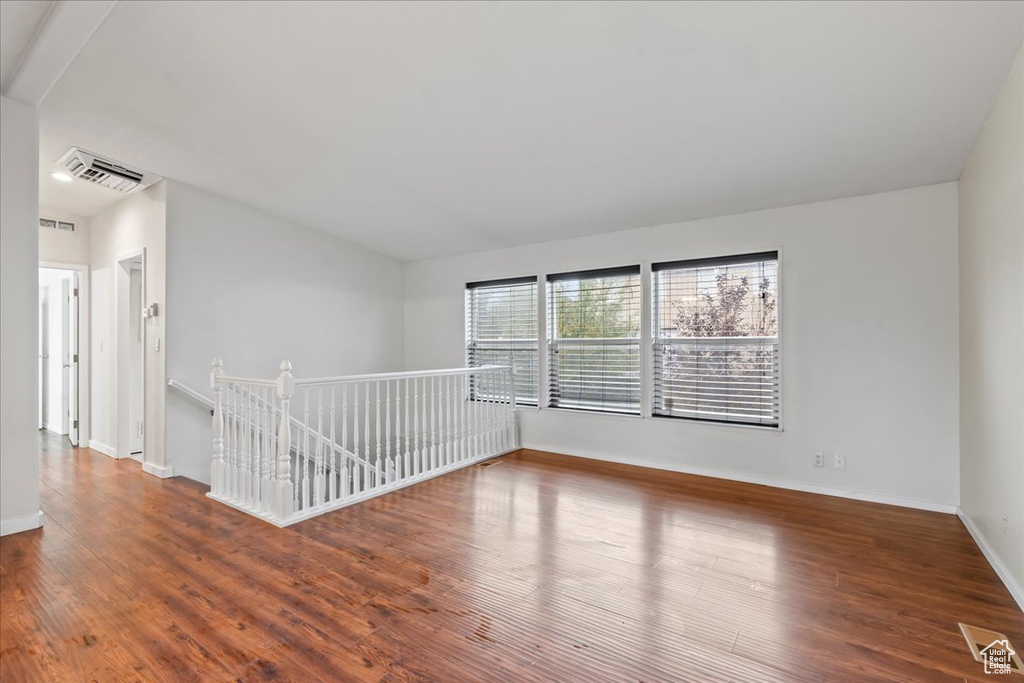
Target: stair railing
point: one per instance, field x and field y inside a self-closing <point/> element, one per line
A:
<point x="287" y="450"/>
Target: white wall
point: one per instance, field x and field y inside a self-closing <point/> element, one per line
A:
<point x="60" y="246"/>
<point x="19" y="329"/>
<point x="254" y="289"/>
<point x="869" y="344"/>
<point x="992" y="333"/>
<point x="139" y="221"/>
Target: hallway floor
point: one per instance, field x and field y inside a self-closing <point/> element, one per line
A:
<point x="532" y="568"/>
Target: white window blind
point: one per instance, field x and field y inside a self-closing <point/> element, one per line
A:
<point x="594" y="340"/>
<point x="501" y="328"/>
<point x="716" y="341"/>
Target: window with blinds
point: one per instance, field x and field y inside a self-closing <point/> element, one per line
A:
<point x="594" y="340"/>
<point x="501" y="328"/>
<point x="716" y="339"/>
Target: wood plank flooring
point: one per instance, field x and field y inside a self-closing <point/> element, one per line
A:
<point x="534" y="568"/>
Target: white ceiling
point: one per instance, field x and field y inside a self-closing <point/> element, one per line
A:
<point x="424" y="129"/>
<point x="19" y="22"/>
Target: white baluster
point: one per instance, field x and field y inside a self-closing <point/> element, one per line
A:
<point x="346" y="480"/>
<point x="452" y="419"/>
<point x="485" y="415"/>
<point x="387" y="432"/>
<point x="236" y="462"/>
<point x="448" y="421"/>
<point x="376" y="396"/>
<point x="229" y="438"/>
<point x="240" y="445"/>
<point x="478" y="412"/>
<point x="254" y="438"/>
<point x="512" y="436"/>
<point x="489" y="414"/>
<point x="433" y="423"/>
<point x="463" y="424"/>
<point x="285" y="387"/>
<point x="440" y="423"/>
<point x="470" y="446"/>
<point x="492" y="412"/>
<point x="266" y="422"/>
<point x="415" y="428"/>
<point x="333" y="492"/>
<point x="366" y="436"/>
<point x="235" y="432"/>
<point x="305" y="448"/>
<point x="502" y="402"/>
<point x="248" y="435"/>
<point x="407" y="450"/>
<point x="319" y="483"/>
<point x="357" y="480"/>
<point x="217" y="466"/>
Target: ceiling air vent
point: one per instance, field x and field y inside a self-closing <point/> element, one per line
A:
<point x="89" y="167"/>
<point x="54" y="224"/>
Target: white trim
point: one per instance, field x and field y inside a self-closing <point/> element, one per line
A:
<point x="993" y="559"/>
<point x="647" y="296"/>
<point x="19" y="524"/>
<point x="103" y="448"/>
<point x="55" y="430"/>
<point x="84" y="342"/>
<point x="123" y="333"/>
<point x="931" y="506"/>
<point x="164" y="472"/>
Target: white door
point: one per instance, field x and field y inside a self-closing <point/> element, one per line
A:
<point x="44" y="355"/>
<point x="72" y="361"/>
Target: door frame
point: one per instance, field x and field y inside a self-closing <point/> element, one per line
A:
<point x="82" y="386"/>
<point x="122" y="316"/>
<point x="44" y="358"/>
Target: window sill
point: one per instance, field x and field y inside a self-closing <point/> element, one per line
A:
<point x="661" y="419"/>
<point x="668" y="419"/>
<point x="591" y="413"/>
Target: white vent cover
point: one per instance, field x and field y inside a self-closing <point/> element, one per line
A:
<point x="54" y="224"/>
<point x="111" y="174"/>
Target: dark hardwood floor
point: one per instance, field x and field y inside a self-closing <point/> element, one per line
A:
<point x="534" y="568"/>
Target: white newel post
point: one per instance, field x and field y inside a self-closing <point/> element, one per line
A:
<point x="285" y="492"/>
<point x="217" y="465"/>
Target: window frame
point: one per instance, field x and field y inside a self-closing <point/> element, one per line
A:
<point x="468" y="341"/>
<point x="771" y="254"/>
<point x="550" y="340"/>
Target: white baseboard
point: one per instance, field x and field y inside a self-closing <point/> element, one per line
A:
<point x="58" y="430"/>
<point x="1001" y="571"/>
<point x="928" y="505"/>
<point x="164" y="472"/>
<point x="19" y="524"/>
<point x="103" y="448"/>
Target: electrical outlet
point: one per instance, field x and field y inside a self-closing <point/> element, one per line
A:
<point x="840" y="461"/>
<point x="819" y="459"/>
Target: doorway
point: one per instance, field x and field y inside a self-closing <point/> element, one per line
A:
<point x="131" y="331"/>
<point x="58" y="352"/>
